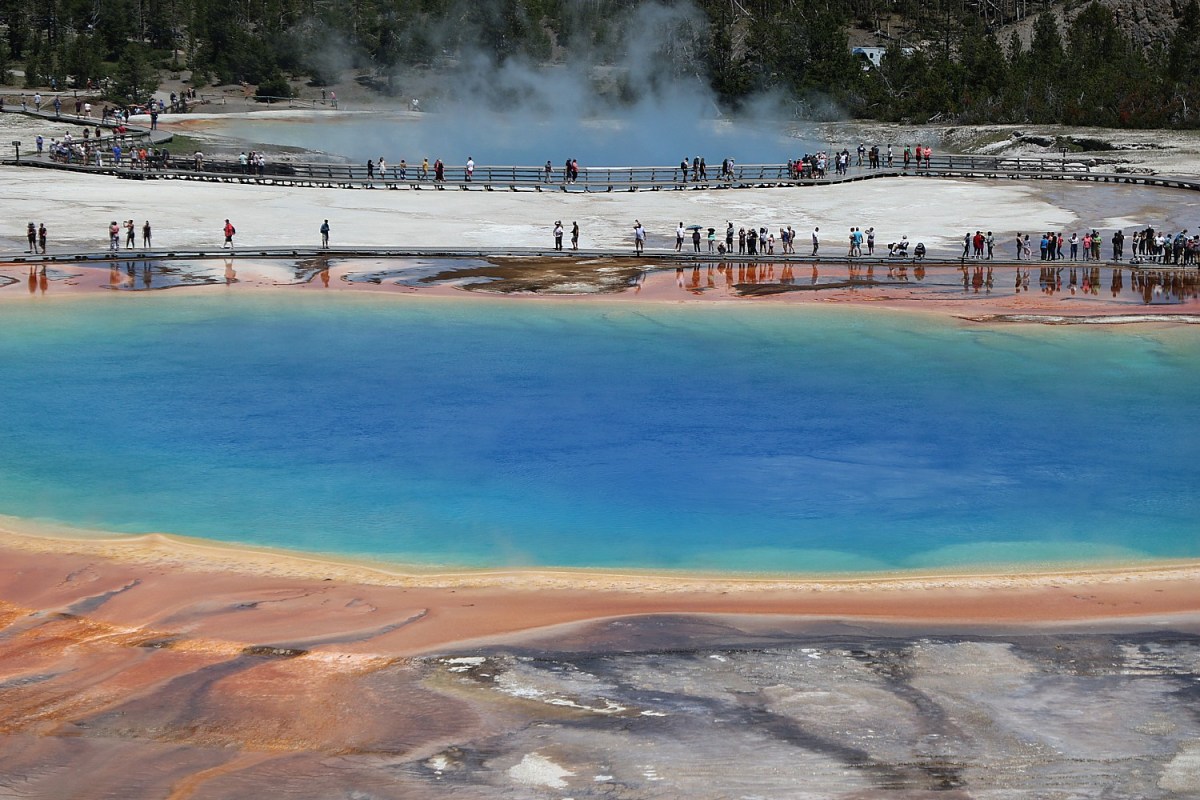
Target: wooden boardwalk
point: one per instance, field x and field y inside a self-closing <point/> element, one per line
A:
<point x="599" y="179"/>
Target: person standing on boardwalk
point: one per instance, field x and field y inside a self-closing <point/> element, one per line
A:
<point x="470" y="168"/>
<point x="42" y="238"/>
<point x="816" y="241"/>
<point x="558" y="234"/>
<point x="679" y="238"/>
<point x="639" y="237"/>
<point x="229" y="233"/>
<point x="548" y="172"/>
<point x="114" y="236"/>
<point x="325" y="234"/>
<point x="130" y="238"/>
<point x="370" y="171"/>
<point x="574" y="235"/>
<point x="31" y="234"/>
<point x="146" y="234"/>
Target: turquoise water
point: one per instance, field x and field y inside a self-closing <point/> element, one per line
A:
<point x="464" y="432"/>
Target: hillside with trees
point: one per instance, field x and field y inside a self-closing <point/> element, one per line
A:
<point x="1107" y="62"/>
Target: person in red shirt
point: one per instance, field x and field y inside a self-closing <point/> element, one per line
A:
<point x="229" y="232"/>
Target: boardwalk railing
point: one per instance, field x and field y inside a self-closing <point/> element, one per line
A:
<point x="589" y="179"/>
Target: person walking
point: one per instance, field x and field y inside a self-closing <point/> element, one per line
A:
<point x="816" y="242"/>
<point x="679" y="238"/>
<point x="229" y="231"/>
<point x="42" y="238"/>
<point x="325" y="234"/>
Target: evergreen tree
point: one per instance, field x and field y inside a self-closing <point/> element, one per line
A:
<point x="83" y="60"/>
<point x="135" y="81"/>
<point x="33" y="63"/>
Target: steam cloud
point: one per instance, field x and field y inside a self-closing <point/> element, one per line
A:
<point x="638" y="98"/>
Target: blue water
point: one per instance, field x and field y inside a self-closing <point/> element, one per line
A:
<point x="521" y="141"/>
<point x="480" y="432"/>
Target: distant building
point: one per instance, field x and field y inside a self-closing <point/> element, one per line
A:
<point x="873" y="56"/>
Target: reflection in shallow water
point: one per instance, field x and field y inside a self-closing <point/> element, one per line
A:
<point x="415" y="272"/>
<point x="148" y="275"/>
<point x="550" y="276"/>
<point x="1078" y="282"/>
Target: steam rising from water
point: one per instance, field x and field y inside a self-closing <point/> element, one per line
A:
<point x="640" y="99"/>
